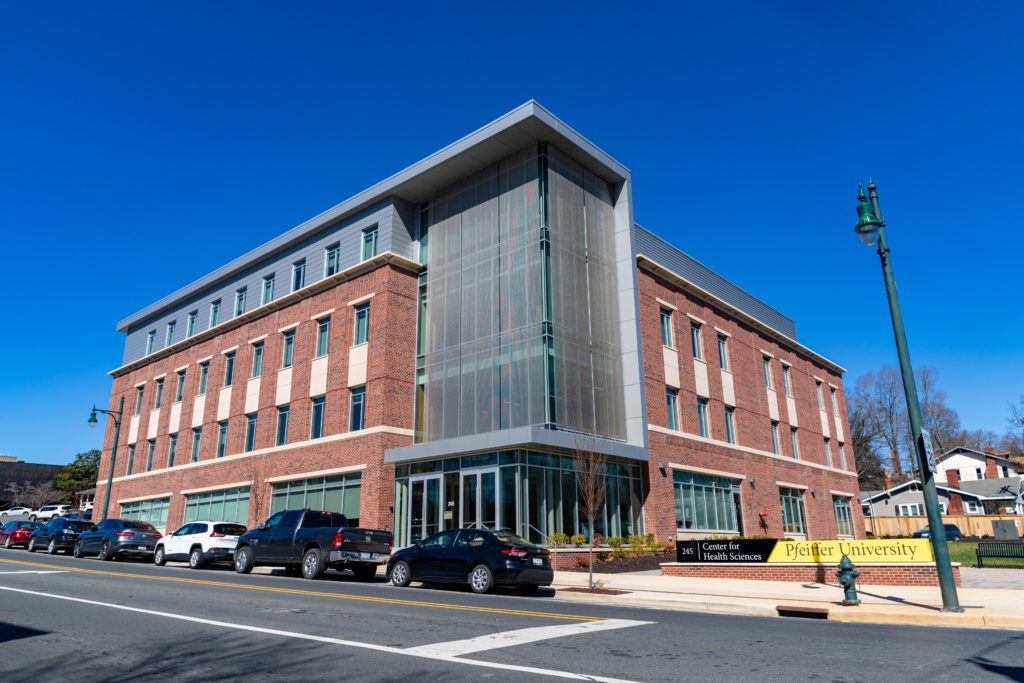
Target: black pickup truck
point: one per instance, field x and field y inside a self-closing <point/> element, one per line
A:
<point x="307" y="542"/>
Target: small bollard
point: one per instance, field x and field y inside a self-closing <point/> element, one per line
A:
<point x="847" y="577"/>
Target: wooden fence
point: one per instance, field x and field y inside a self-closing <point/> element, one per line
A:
<point x="970" y="525"/>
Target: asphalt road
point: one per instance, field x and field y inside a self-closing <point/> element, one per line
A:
<point x="88" y="620"/>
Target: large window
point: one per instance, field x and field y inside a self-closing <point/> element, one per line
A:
<point x="666" y="328"/>
<point x="288" y="350"/>
<point x="370" y="242"/>
<point x="131" y="459"/>
<point x="229" y="369"/>
<point x="179" y="388"/>
<point x="766" y="366"/>
<point x="268" y="289"/>
<point x="362" y="324"/>
<point x="153" y="511"/>
<point x="316" y="421"/>
<point x="723" y="352"/>
<point x="204" y="377"/>
<point x="197" y="441"/>
<point x="794" y="518"/>
<point x="150" y="452"/>
<point x="257" y="360"/>
<point x="821" y="401"/>
<point x="250" y="432"/>
<point x="158" y="399"/>
<point x="357" y="412"/>
<point x="338" y="493"/>
<point x="282" y="426"/>
<point x="787" y="382"/>
<point x="332" y="259"/>
<point x="794" y="442"/>
<point x="695" y="341"/>
<point x="835" y="403"/>
<point x="298" y="275"/>
<point x="703" y="426"/>
<point x="222" y="438"/>
<point x="705" y="503"/>
<point x="828" y="452"/>
<point x="172" y="449"/>
<point x="225" y="505"/>
<point x="323" y="337"/>
<point x="844" y="516"/>
<point x="214" y="313"/>
<point x="672" y="405"/>
<point x="910" y="510"/>
<point x="730" y="424"/>
<point x="776" y="446"/>
<point x="138" y="400"/>
<point x="240" y="302"/>
<point x="190" y="326"/>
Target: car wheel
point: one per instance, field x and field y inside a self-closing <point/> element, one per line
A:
<point x="51" y="547"/>
<point x="365" y="573"/>
<point x="105" y="553"/>
<point x="400" y="574"/>
<point x="480" y="579"/>
<point x="527" y="589"/>
<point x="313" y="566"/>
<point x="159" y="556"/>
<point x="78" y="551"/>
<point x="244" y="560"/>
<point x="195" y="558"/>
<point x="31" y="547"/>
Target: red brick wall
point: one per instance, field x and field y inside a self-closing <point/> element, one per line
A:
<point x="876" y="575"/>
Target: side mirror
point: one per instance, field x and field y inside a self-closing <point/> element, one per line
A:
<point x="262" y="526"/>
<point x="93" y="528"/>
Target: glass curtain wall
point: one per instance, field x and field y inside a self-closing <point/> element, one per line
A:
<point x="705" y="503"/>
<point x="228" y="505"/>
<point x="338" y="493"/>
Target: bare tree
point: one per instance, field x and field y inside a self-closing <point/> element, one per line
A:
<point x="258" y="489"/>
<point x="18" y="492"/>
<point x="591" y="472"/>
<point x="885" y="406"/>
<point x="863" y="437"/>
<point x="42" y="494"/>
<point x="941" y="421"/>
<point x="1016" y="420"/>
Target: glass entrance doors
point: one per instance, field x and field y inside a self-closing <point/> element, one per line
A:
<point x="479" y="502"/>
<point x="424" y="507"/>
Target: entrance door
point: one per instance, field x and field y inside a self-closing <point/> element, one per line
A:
<point x="424" y="507"/>
<point x="479" y="499"/>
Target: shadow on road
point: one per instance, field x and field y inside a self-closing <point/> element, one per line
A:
<point x="9" y="632"/>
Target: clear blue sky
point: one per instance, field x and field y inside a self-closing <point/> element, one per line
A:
<point x="143" y="145"/>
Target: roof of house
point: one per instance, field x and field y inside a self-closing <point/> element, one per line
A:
<point x="958" y="449"/>
<point x="867" y="496"/>
<point x="993" y="488"/>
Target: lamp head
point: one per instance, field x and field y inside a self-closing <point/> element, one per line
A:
<point x="92" y="418"/>
<point x="868" y="224"/>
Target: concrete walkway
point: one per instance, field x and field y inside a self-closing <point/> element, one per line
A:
<point x="992" y="607"/>
<point x="992" y="577"/>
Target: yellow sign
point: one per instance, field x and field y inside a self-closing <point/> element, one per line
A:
<point x="872" y="551"/>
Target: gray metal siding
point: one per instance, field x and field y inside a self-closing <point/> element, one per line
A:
<point x="348" y="233"/>
<point x="650" y="245"/>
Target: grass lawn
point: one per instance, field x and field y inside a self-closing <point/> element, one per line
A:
<point x="964" y="553"/>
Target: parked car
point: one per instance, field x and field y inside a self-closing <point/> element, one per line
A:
<point x="199" y="543"/>
<point x="87" y="506"/>
<point x="952" y="533"/>
<point x="60" y="533"/>
<point x="307" y="542"/>
<point x="49" y="511"/>
<point x="15" y="511"/>
<point x="79" y="516"/>
<point x="113" y="538"/>
<point x="479" y="557"/>
<point x="17" y="533"/>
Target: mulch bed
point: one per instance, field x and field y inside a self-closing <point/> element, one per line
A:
<point x="596" y="591"/>
<point x="626" y="564"/>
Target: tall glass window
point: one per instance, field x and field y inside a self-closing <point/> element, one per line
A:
<point x="332" y="259"/>
<point x="323" y="337"/>
<point x="214" y="313"/>
<point x="222" y="438"/>
<point x="730" y="424"/>
<point x="197" y="441"/>
<point x="786" y="380"/>
<point x="282" y="426"/>
<point x="672" y="405"/>
<point x="723" y="352"/>
<point x="240" y="302"/>
<point x="776" y="446"/>
<point x="229" y="369"/>
<point x="666" y="328"/>
<point x="821" y="401"/>
<point x="172" y="449"/>
<point x="794" y="518"/>
<point x="190" y="327"/>
<point x="695" y="341"/>
<point x="298" y="275"/>
<point x="370" y="242"/>
<point x="150" y="453"/>
<point x="158" y="399"/>
<point x="844" y="516"/>
<point x="703" y="427"/>
<point x="257" y="360"/>
<point x="150" y="341"/>
<point x="131" y="459"/>
<point x="169" y="339"/>
<point x="357" y="412"/>
<point x="842" y="457"/>
<point x="766" y="366"/>
<point x="250" y="432"/>
<point x="362" y="324"/>
<point x="179" y="387"/>
<point x="832" y="398"/>
<point x="705" y="503"/>
<point x="828" y="452"/>
<point x="138" y="400"/>
<point x="225" y="505"/>
<point x="204" y="377"/>
<point x="153" y="511"/>
<point x="288" y="351"/>
<point x="268" y="289"/>
<point x="338" y="493"/>
<point x="794" y="442"/>
<point x="316" y="420"/>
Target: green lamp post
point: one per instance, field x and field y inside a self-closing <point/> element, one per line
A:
<point x="871" y="230"/>
<point x="116" y="414"/>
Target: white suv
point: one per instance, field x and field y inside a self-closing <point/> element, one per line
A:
<point x="49" y="512"/>
<point x="199" y="543"/>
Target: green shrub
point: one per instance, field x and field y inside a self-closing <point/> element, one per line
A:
<point x="602" y="556"/>
<point x="578" y="540"/>
<point x="616" y="541"/>
<point x="620" y="553"/>
<point x="557" y="539"/>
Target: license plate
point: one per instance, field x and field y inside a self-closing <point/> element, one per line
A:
<point x="364" y="556"/>
<point x="538" y="561"/>
<point x="142" y="547"/>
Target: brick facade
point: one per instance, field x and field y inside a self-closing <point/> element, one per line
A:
<point x="870" y="574"/>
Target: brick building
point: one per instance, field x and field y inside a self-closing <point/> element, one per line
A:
<point x="427" y="354"/>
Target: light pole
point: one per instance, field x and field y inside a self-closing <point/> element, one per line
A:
<point x="871" y="229"/>
<point x="116" y="414"/>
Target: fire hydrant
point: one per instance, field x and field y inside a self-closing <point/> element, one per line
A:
<point x="847" y="577"/>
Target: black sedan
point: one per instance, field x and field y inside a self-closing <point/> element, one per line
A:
<point x="114" y="538"/>
<point x="60" y="533"/>
<point x="479" y="557"/>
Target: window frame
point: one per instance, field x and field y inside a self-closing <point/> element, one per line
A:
<point x="666" y="328"/>
<point x="794" y="442"/>
<point x="204" y="378"/>
<point x="229" y="369"/>
<point x="139" y="397"/>
<point x="190" y="325"/>
<point x="317" y="413"/>
<point x="787" y="381"/>
<point x="287" y="349"/>
<point x="172" y="449"/>
<point x="240" y="297"/>
<point x="361" y="330"/>
<point x="267" y="292"/>
<point x="256" y="362"/>
<point x="158" y="397"/>
<point x="730" y="424"/>
<point x="249" y="444"/>
<point x="672" y="407"/>
<point x="723" y="352"/>
<point x="169" y="333"/>
<point x="776" y="439"/>
<point x="357" y="402"/>
<point x="766" y="369"/>
<point x="197" y="443"/>
<point x="369" y="236"/>
<point x="298" y="274"/>
<point x="844" y="521"/>
<point x="703" y="421"/>
<point x="179" y="387"/>
<point x="222" y="438"/>
<point x="215" y="313"/>
<point x="696" y="340"/>
<point x="281" y="435"/>
<point x="332" y="259"/>
<point x="150" y="342"/>
<point x="323" y="337"/>
<point x="796" y="527"/>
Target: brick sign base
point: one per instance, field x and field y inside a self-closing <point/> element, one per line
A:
<point x="895" y="574"/>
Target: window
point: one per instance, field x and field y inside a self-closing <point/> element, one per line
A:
<point x="150" y="341"/>
<point x="152" y="511"/>
<point x="204" y="376"/>
<point x="214" y="313"/>
<point x="776" y="448"/>
<point x="239" y="302"/>
<point x="910" y="510"/>
<point x="844" y="516"/>
<point x="190" y="327"/>
<point x="672" y="403"/>
<point x="288" y="354"/>
<point x="702" y="418"/>
<point x="316" y="422"/>
<point x="179" y="387"/>
<point x="695" y="341"/>
<point x="362" y="324"/>
<point x="835" y="403"/>
<point x="250" y="432"/>
<point x="973" y="507"/>
<point x="222" y="437"/>
<point x="705" y="503"/>
<point x="828" y="452"/>
<point x="787" y="383"/>
<point x="766" y="365"/>
<point x="229" y="369"/>
<point x="795" y="442"/>
<point x="723" y="352"/>
<point x="138" y="400"/>
<point x="282" y="426"/>
<point x="150" y="452"/>
<point x="230" y="505"/>
<point x="370" y="242"/>
<point x="172" y="449"/>
<point x="323" y="337"/>
<point x="1005" y="470"/>
<point x="257" y="360"/>
<point x="338" y="493"/>
<point x="268" y="289"/>
<point x="197" y="440"/>
<point x="331" y="259"/>
<point x="666" y="328"/>
<point x="821" y="401"/>
<point x="978" y="473"/>
<point x="943" y="506"/>
<point x="131" y="459"/>
<point x="357" y="409"/>
<point x="158" y="399"/>
<point x="794" y="518"/>
<point x="842" y="457"/>
<point x="730" y="424"/>
<point x="169" y="337"/>
<point x="298" y="275"/>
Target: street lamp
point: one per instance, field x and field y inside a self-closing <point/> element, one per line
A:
<point x="92" y="422"/>
<point x="871" y="230"/>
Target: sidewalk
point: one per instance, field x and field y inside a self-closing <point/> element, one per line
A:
<point x="921" y="605"/>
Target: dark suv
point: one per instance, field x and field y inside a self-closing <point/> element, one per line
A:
<point x="114" y="538"/>
<point x="952" y="533"/>
<point x="60" y="533"/>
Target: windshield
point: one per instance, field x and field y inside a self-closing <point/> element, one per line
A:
<point x="229" y="529"/>
<point x="29" y="525"/>
<point x="510" y="538"/>
<point x="145" y="526"/>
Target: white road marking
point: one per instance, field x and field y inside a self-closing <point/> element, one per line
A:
<point x="335" y="641"/>
<point x="37" y="571"/>
<point x="457" y="648"/>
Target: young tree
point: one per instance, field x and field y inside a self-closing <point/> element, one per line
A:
<point x="41" y="494"/>
<point x="870" y="473"/>
<point x="591" y="473"/>
<point x="18" y="492"/>
<point x="885" y="407"/>
<point x="257" y="473"/>
<point x="80" y="474"/>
